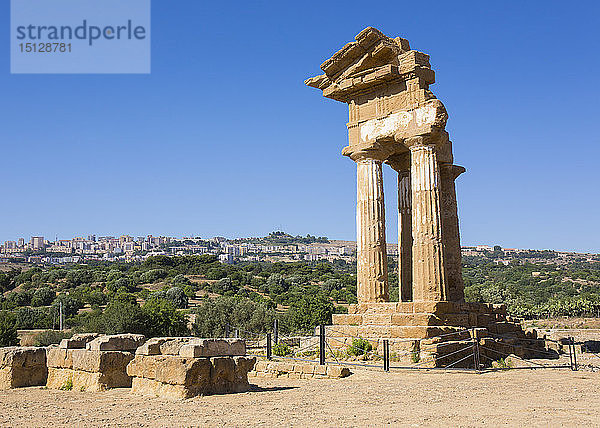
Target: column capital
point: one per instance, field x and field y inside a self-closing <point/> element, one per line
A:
<point x="400" y="163"/>
<point x="372" y="151"/>
<point x="453" y="170"/>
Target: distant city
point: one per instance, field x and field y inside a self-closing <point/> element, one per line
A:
<point x="276" y="247"/>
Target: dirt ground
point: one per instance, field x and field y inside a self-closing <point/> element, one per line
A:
<point x="547" y="397"/>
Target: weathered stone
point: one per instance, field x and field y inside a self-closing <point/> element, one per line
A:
<point x="78" y="341"/>
<point x="179" y="377"/>
<point x="59" y="357"/>
<point x="173" y="345"/>
<point x="395" y="119"/>
<point x="100" y="361"/>
<point x="22" y="366"/>
<point x="213" y="348"/>
<point x="152" y="346"/>
<point x="116" y="342"/>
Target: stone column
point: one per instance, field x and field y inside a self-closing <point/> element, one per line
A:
<point x="450" y="232"/>
<point x="429" y="282"/>
<point x="372" y="281"/>
<point x="405" y="240"/>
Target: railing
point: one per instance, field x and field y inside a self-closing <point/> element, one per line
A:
<point x="466" y="351"/>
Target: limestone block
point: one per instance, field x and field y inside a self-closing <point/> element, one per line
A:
<point x="170" y="369"/>
<point x="152" y="346"/>
<point x="405" y="307"/>
<point x="347" y="319"/>
<point x="101" y="361"/>
<point x="59" y="357"/>
<point x="178" y="377"/>
<point x="213" y="348"/>
<point x="94" y="382"/>
<point x="22" y="366"/>
<point x="461" y="320"/>
<point x="369" y="318"/>
<point x="116" y="342"/>
<point x="78" y="341"/>
<point x="59" y="377"/>
<point x="338" y="371"/>
<point x="173" y="345"/>
<point x="415" y="319"/>
<point x="151" y="387"/>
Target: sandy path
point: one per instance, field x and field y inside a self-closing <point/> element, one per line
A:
<point x="516" y="398"/>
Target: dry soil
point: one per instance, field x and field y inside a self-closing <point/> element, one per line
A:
<point x="547" y="397"/>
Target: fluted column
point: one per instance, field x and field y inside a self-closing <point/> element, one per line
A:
<point x="372" y="282"/>
<point x="404" y="236"/>
<point x="429" y="283"/>
<point x="450" y="232"/>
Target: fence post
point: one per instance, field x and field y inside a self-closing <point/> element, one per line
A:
<point x="570" y="353"/>
<point x="476" y="356"/>
<point x="236" y="333"/>
<point x="386" y="355"/>
<point x="269" y="346"/>
<point x="322" y="344"/>
<point x="575" y="368"/>
<point x="276" y="332"/>
<point x="226" y="330"/>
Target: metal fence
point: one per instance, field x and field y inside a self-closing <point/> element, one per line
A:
<point x="466" y="350"/>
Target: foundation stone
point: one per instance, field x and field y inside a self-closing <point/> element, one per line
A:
<point x="22" y="366"/>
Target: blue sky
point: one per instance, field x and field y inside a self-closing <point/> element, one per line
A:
<point x="223" y="138"/>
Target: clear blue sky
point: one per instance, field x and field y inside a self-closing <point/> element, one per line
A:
<point x="223" y="138"/>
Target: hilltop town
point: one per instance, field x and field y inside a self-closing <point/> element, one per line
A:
<point x="276" y="247"/>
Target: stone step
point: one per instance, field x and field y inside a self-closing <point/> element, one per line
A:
<point x="427" y="308"/>
<point x="390" y="331"/>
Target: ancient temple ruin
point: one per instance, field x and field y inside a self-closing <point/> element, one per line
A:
<point x="395" y="119"/>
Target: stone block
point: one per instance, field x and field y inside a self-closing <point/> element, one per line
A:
<point x="152" y="346"/>
<point x="347" y="319"/>
<point x="116" y="342"/>
<point x="461" y="320"/>
<point x="405" y="307"/>
<point x="320" y="370"/>
<point x="341" y="330"/>
<point x="154" y="388"/>
<point x="206" y="348"/>
<point x="369" y="318"/>
<point x="59" y="377"/>
<point x="338" y="371"/>
<point x="306" y="368"/>
<point x="100" y="361"/>
<point x="414" y="319"/>
<point x="373" y="331"/>
<point x="22" y="366"/>
<point x="59" y="357"/>
<point x="173" y="345"/>
<point x="178" y="377"/>
<point x="78" y="341"/>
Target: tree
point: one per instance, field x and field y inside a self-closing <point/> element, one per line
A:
<point x="216" y="316"/>
<point x="308" y="312"/>
<point x="178" y="297"/>
<point x="8" y="330"/>
<point x="121" y="316"/>
<point x="43" y="297"/>
<point x="70" y="305"/>
<point x="163" y="319"/>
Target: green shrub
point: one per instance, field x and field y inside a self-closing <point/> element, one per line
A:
<point x="67" y="386"/>
<point x="360" y="346"/>
<point x="8" y="330"/>
<point x="281" y="349"/>
<point x="50" y="337"/>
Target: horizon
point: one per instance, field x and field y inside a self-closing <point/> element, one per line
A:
<point x="224" y="139"/>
